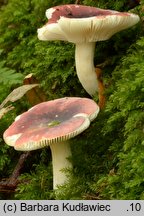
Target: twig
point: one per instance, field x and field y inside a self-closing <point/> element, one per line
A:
<point x="104" y="64"/>
<point x="91" y="197"/>
<point x="11" y="184"/>
<point x="14" y="177"/>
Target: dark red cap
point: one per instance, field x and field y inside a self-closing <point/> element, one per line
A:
<point x="50" y="122"/>
<point x="78" y="23"/>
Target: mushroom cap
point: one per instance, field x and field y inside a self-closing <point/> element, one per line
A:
<point x="50" y="122"/>
<point x="78" y="23"/>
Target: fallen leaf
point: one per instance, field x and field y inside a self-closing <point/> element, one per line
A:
<point x="4" y="110"/>
<point x="18" y="93"/>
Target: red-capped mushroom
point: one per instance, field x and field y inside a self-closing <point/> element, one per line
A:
<point x="51" y="124"/>
<point x="84" y="25"/>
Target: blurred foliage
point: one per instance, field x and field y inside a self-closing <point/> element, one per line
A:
<point x="126" y="106"/>
<point x="108" y="158"/>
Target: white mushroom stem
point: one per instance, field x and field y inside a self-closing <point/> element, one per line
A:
<point x="60" y="152"/>
<point x="84" y="58"/>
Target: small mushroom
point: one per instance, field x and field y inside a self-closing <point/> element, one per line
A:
<point x="84" y="25"/>
<point x="51" y="124"/>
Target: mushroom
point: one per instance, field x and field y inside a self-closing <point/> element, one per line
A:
<point x="84" y="25"/>
<point x="51" y="124"/>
